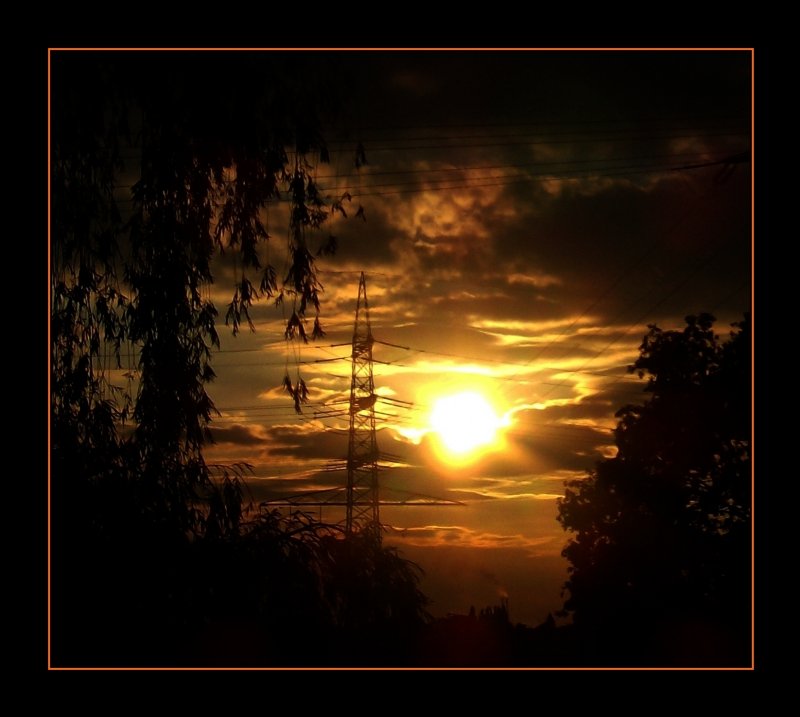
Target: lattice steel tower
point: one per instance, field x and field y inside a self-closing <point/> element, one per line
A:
<point x="362" y="450"/>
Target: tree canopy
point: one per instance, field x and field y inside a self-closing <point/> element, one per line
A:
<point x="159" y="162"/>
<point x="661" y="532"/>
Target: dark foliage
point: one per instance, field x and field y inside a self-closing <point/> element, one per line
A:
<point x="660" y="559"/>
<point x="157" y="557"/>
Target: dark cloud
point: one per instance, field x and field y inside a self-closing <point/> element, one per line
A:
<point x="366" y="243"/>
<point x="623" y="246"/>
<point x="308" y="483"/>
<point x="305" y="443"/>
<point x="238" y="434"/>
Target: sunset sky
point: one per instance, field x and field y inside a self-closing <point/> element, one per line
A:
<point x="527" y="215"/>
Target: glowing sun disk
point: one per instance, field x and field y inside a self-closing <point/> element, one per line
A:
<point x="464" y="422"/>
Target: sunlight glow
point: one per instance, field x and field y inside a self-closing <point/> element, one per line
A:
<point x="465" y="422"/>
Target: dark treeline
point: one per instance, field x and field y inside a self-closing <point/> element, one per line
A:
<point x="661" y="533"/>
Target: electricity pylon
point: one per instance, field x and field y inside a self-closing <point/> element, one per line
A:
<point x="363" y="498"/>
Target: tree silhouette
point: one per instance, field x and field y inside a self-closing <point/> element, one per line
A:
<point x="206" y="140"/>
<point x="660" y="558"/>
<point x="155" y="552"/>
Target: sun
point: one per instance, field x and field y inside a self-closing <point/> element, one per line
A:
<point x="464" y="422"/>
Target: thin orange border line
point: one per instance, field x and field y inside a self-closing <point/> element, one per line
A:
<point x="752" y="359"/>
<point x="401" y="49"/>
<point x="405" y="669"/>
<point x="49" y="349"/>
<point x="751" y="50"/>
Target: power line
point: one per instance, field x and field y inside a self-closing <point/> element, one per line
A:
<point x="477" y="183"/>
<point x="546" y="142"/>
<point x="530" y="178"/>
<point x="537" y="132"/>
<point x="600" y="171"/>
<point x="523" y="165"/>
<point x="546" y="174"/>
<point x="632" y="132"/>
<point x="534" y="122"/>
